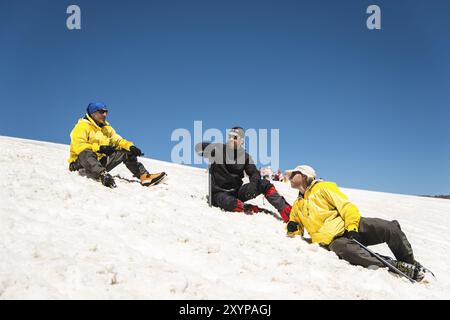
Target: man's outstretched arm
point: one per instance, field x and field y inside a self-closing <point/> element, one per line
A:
<point x="206" y="149"/>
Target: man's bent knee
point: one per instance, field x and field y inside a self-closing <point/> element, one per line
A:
<point x="88" y="153"/>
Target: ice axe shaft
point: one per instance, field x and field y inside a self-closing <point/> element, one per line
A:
<point x="383" y="261"/>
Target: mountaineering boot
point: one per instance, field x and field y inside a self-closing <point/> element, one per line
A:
<point x="148" y="179"/>
<point x="411" y="270"/>
<point x="107" y="180"/>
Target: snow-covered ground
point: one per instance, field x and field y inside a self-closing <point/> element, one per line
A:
<point x="65" y="236"/>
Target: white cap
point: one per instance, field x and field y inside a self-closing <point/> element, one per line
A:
<point x="304" y="169"/>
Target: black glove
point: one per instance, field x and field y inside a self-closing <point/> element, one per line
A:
<point x="74" y="166"/>
<point x="108" y="150"/>
<point x="136" y="151"/>
<point x="250" y="208"/>
<point x="353" y="235"/>
<point x="292" y="226"/>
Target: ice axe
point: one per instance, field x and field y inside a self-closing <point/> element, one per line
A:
<point x="383" y="261"/>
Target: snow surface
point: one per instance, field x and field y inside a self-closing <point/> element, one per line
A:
<point x="63" y="236"/>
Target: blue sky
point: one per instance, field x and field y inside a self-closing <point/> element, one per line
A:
<point x="367" y="109"/>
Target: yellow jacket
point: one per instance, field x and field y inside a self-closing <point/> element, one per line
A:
<point x="88" y="135"/>
<point x="325" y="212"/>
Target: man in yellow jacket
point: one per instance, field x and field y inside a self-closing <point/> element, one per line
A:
<point x="333" y="221"/>
<point x="97" y="148"/>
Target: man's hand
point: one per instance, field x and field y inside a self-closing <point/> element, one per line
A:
<point x="136" y="151"/>
<point x="293" y="229"/>
<point x="108" y="150"/>
<point x="250" y="208"/>
<point x="73" y="166"/>
<point x="353" y="235"/>
<point x="292" y="226"/>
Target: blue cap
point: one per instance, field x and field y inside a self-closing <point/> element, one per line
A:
<point x="95" y="106"/>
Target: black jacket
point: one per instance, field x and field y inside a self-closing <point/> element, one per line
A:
<point x="228" y="166"/>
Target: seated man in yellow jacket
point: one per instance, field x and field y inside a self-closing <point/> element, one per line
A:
<point x="332" y="221"/>
<point x="96" y="147"/>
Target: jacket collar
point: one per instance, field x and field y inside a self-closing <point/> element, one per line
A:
<point x="312" y="184"/>
<point x="92" y="121"/>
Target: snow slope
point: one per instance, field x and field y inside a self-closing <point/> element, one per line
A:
<point x="63" y="236"/>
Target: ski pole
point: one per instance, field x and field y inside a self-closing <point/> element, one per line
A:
<point x="383" y="261"/>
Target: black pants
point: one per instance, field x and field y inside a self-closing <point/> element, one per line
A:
<point x="374" y="231"/>
<point x="229" y="200"/>
<point x="93" y="167"/>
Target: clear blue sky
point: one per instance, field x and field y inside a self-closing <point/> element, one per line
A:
<point x="367" y="109"/>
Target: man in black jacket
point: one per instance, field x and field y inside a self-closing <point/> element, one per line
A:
<point x="228" y="164"/>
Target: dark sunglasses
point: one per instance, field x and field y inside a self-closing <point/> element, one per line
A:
<point x="293" y="174"/>
<point x="102" y="111"/>
<point x="233" y="137"/>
